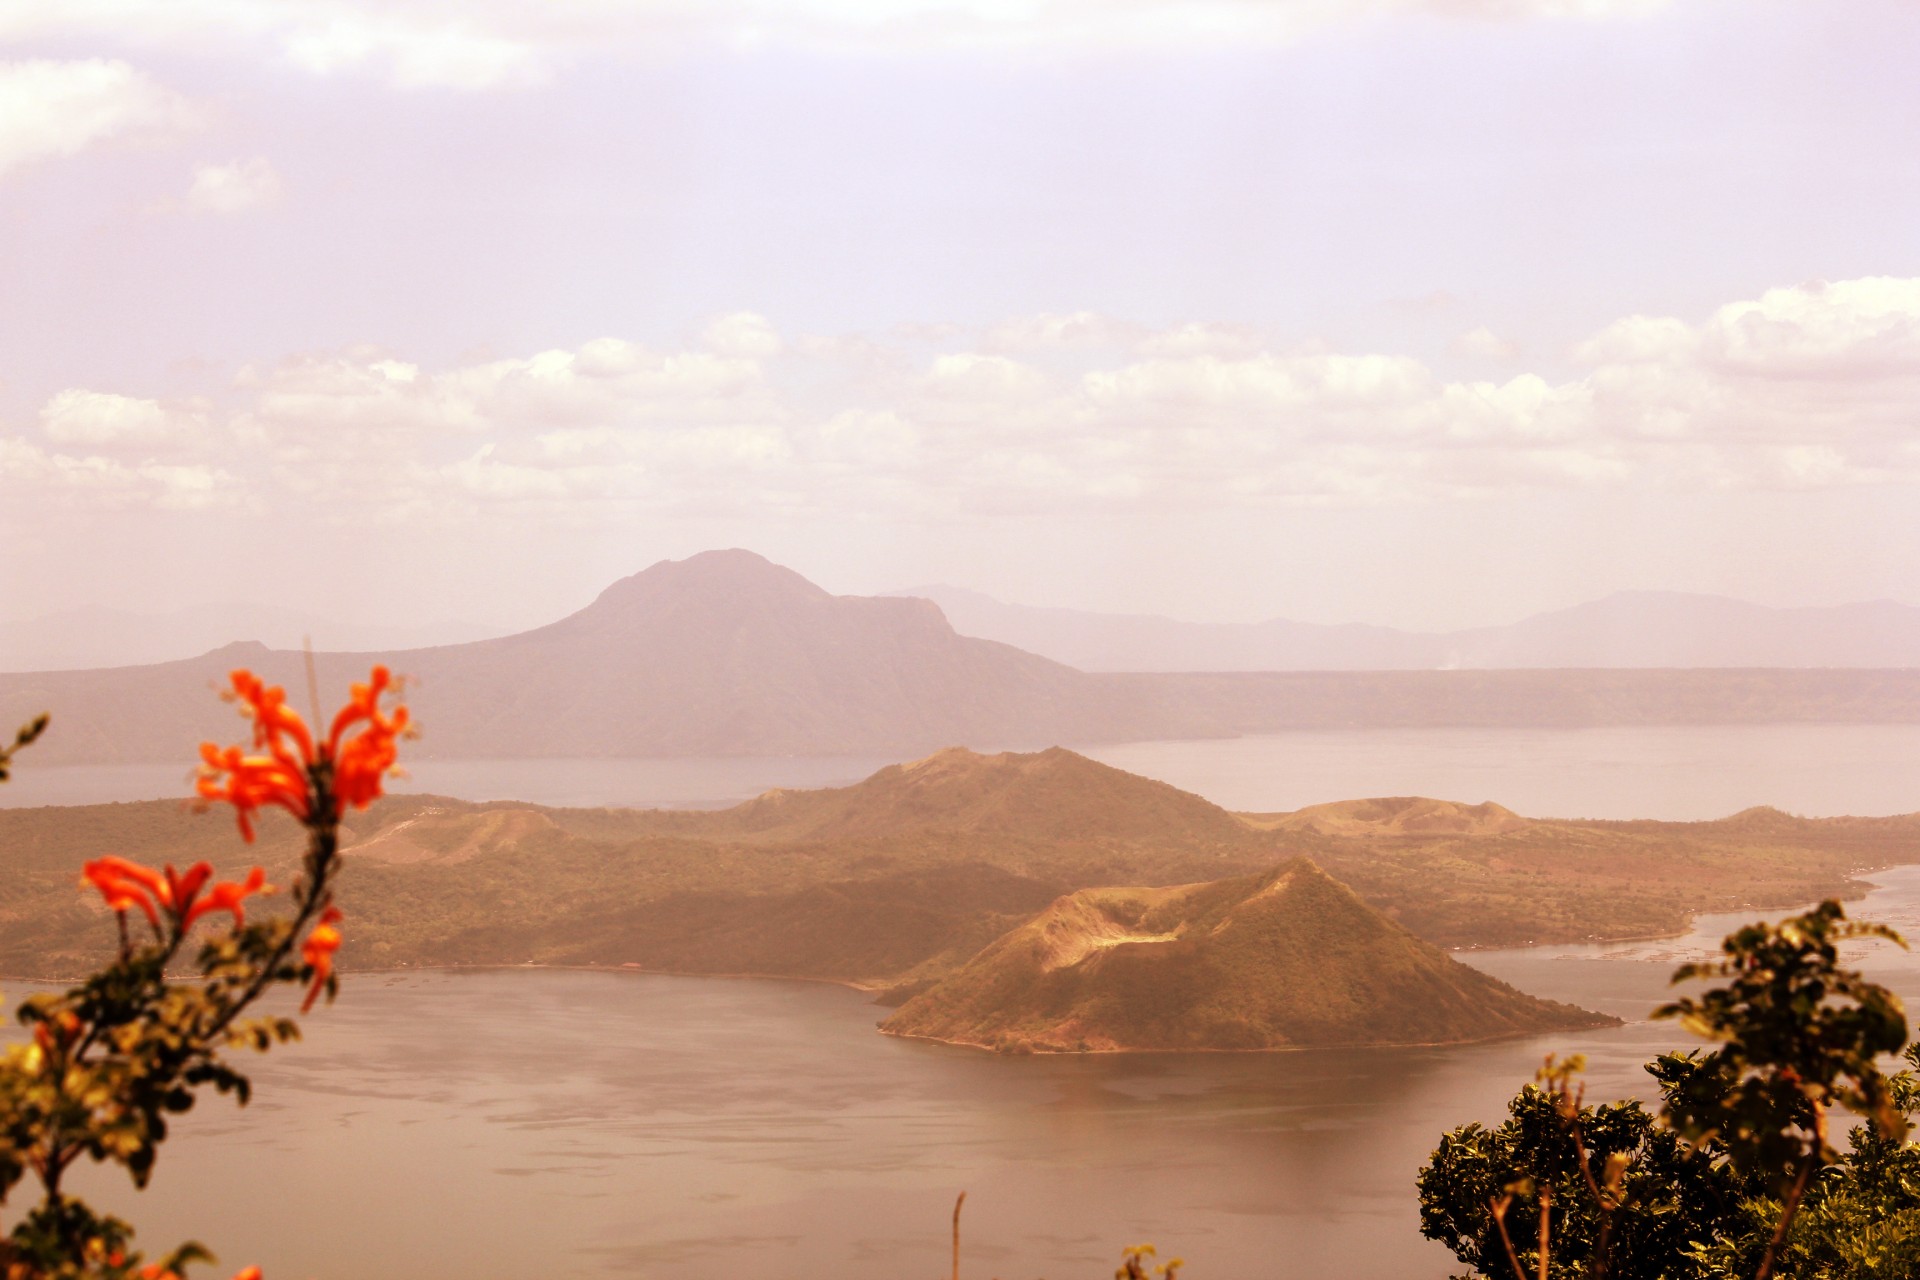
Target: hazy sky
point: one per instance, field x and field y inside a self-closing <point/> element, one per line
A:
<point x="1426" y="312"/>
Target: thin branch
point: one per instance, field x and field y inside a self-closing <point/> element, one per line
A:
<point x="1546" y="1225"/>
<point x="956" y="1234"/>
<point x="1791" y="1205"/>
<point x="1499" y="1210"/>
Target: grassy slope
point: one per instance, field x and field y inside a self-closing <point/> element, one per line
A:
<point x="1289" y="959"/>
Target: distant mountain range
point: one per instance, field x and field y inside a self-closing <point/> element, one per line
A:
<point x="79" y="639"/>
<point x="720" y="654"/>
<point x="727" y="654"/>
<point x="1634" y="629"/>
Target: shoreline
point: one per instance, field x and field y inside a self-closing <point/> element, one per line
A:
<point x="1039" y="1051"/>
<point x="1859" y="889"/>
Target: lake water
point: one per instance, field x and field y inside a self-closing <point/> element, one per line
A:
<point x="1680" y="773"/>
<point x="465" y="1126"/>
<point x="474" y="1126"/>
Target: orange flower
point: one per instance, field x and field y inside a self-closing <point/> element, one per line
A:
<point x="318" y="951"/>
<point x="362" y="762"/>
<point x="283" y="776"/>
<point x="229" y="896"/>
<point x="250" y="783"/>
<point x="128" y="884"/>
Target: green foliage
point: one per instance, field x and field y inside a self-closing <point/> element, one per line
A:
<point x="1737" y="1176"/>
<point x="1798" y="1035"/>
<point x="1136" y="1258"/>
<point x="1614" y="1182"/>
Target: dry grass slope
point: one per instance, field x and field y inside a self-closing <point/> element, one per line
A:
<point x="897" y="881"/>
<point x="1289" y="959"/>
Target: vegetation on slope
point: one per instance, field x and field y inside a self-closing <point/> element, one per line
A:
<point x="1289" y="959"/>
<point x="898" y="880"/>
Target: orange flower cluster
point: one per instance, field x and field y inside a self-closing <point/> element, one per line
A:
<point x="361" y="746"/>
<point x="318" y="951"/>
<point x="127" y="884"/>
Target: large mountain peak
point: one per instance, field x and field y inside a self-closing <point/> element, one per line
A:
<point x="732" y="574"/>
<point x="726" y="567"/>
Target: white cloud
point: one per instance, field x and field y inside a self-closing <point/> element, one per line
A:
<point x="1200" y="339"/>
<point x="1483" y="343"/>
<point x="1814" y="386"/>
<point x="33" y="476"/>
<point x="111" y="423"/>
<point x="411" y="49"/>
<point x="1832" y="368"/>
<point x="50" y="109"/>
<point x="969" y="376"/>
<point x="238" y="187"/>
<point x="1816" y="330"/>
<point x="1049" y="331"/>
<point x="743" y="334"/>
<point x="491" y="44"/>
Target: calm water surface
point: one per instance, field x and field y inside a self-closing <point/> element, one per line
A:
<point x="1680" y="773"/>
<point x="542" y="1123"/>
<point x="1676" y="773"/>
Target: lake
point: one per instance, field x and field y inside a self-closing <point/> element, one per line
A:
<point x="463" y="1126"/>
<point x="1679" y="772"/>
<point x="480" y="1125"/>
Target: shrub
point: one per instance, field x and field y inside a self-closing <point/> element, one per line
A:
<point x="111" y="1060"/>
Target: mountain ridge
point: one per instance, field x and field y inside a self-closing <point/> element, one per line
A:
<point x="1627" y="629"/>
<point x="866" y="890"/>
<point x="727" y="654"/>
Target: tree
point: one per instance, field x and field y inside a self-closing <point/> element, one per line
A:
<point x="1741" y="1149"/>
<point x="1798" y="1036"/>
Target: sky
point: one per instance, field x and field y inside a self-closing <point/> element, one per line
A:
<point x="1430" y="313"/>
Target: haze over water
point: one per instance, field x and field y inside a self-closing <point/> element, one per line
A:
<point x="1679" y="773"/>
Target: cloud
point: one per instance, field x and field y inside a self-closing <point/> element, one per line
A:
<point x="1199" y="339"/>
<point x="972" y="377"/>
<point x="51" y="109"/>
<point x="32" y="476"/>
<point x="412" y="49"/>
<point x="1483" y="343"/>
<point x="494" y="44"/>
<point x="238" y="187"/>
<point x="1808" y="387"/>
<point x="743" y="334"/>
<point x="1048" y="331"/>
<point x="110" y="423"/>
